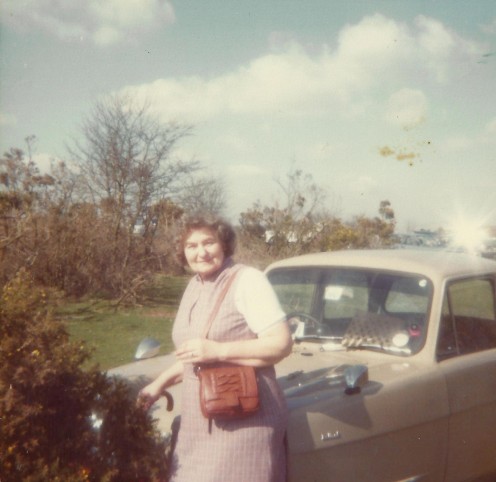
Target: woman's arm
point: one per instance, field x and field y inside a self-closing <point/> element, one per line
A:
<point x="152" y="392"/>
<point x="271" y="346"/>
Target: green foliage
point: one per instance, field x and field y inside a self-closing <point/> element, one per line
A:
<point x="58" y="421"/>
<point x="299" y="227"/>
<point x="287" y="229"/>
<point x="73" y="245"/>
<point x="360" y="233"/>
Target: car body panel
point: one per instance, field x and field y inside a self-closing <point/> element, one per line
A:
<point x="472" y="431"/>
<point x="140" y="373"/>
<point x="403" y="408"/>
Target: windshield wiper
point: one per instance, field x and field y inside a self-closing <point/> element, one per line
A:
<point x="386" y="349"/>
<point x="317" y="337"/>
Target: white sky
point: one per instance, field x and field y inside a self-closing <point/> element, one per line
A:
<point x="376" y="99"/>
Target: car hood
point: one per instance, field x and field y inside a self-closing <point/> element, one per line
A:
<point x="312" y="372"/>
<point x="309" y="374"/>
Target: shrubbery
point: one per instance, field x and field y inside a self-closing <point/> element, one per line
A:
<point x="59" y="422"/>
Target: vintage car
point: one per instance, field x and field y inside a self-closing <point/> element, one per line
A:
<point x="393" y="371"/>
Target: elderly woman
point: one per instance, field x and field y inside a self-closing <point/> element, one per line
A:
<point x="250" y="329"/>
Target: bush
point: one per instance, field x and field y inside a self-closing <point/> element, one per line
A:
<point x="58" y="421"/>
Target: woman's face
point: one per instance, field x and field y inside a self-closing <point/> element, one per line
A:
<point x="204" y="252"/>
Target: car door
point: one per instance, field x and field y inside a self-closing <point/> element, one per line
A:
<point x="467" y="358"/>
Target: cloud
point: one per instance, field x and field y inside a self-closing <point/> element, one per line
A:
<point x="233" y="142"/>
<point x="44" y="161"/>
<point x="7" y="120"/>
<point x="434" y="38"/>
<point x="368" y="46"/>
<point x="376" y="55"/>
<point x="442" y="50"/>
<point x="480" y="144"/>
<point x="362" y="185"/>
<point x="104" y="22"/>
<point x="490" y="129"/>
<point x="290" y="82"/>
<point x="489" y="28"/>
<point x="321" y="150"/>
<point x="407" y="108"/>
<point x="279" y="40"/>
<point x="242" y="170"/>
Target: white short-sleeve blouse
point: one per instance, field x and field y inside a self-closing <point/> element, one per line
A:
<point x="256" y="300"/>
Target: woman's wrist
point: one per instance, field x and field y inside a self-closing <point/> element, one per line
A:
<point x="223" y="351"/>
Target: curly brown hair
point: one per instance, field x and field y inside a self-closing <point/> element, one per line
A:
<point x="222" y="229"/>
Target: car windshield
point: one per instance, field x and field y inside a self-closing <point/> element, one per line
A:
<point x="355" y="308"/>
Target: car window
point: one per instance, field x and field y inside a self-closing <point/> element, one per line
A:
<point x="395" y="316"/>
<point x="345" y="293"/>
<point x="295" y="289"/>
<point x="407" y="295"/>
<point x="468" y="322"/>
<point x="473" y="298"/>
<point x="363" y="309"/>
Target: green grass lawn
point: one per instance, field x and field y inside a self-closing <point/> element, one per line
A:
<point x="114" y="334"/>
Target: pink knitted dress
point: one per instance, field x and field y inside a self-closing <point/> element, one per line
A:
<point x="246" y="450"/>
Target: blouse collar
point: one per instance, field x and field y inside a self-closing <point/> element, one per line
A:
<point x="228" y="263"/>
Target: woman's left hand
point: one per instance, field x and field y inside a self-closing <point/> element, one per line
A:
<point x="198" y="350"/>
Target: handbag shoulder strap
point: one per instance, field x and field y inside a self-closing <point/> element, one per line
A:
<point x="219" y="301"/>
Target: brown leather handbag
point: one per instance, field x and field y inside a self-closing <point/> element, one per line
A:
<point x="227" y="391"/>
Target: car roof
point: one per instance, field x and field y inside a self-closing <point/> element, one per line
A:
<point x="431" y="263"/>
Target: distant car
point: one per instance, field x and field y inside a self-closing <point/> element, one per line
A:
<point x="488" y="249"/>
<point x="393" y="371"/>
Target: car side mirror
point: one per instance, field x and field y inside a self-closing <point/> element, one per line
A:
<point x="148" y="348"/>
<point x="355" y="378"/>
